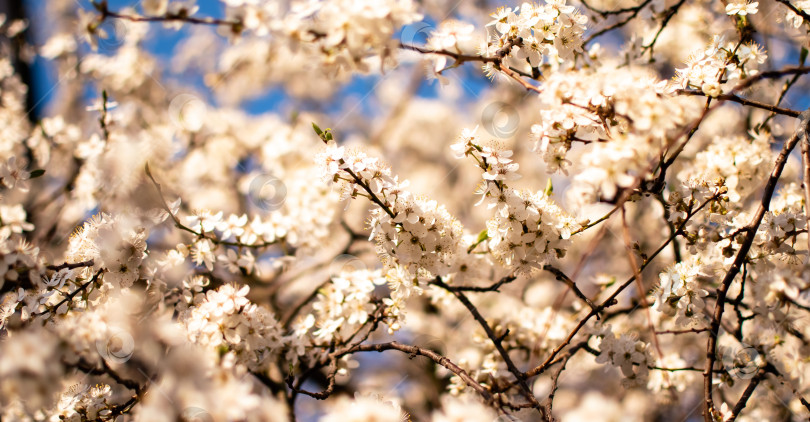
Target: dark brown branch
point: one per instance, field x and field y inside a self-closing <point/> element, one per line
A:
<point x="89" y="368"/>
<point x="795" y="10"/>
<point x="770" y="74"/>
<point x="805" y="148"/>
<point x="743" y="101"/>
<point x="634" y="11"/>
<point x="688" y="368"/>
<point x="201" y="234"/>
<point x="804" y="402"/>
<point x="560" y="276"/>
<point x="520" y="377"/>
<point x="71" y="266"/>
<point x="322" y="395"/>
<point x="497" y="61"/>
<point x="750" y="233"/>
<point x="603" y="13"/>
<point x="106" y="12"/>
<point x="668" y="15"/>
<point x="749" y="390"/>
<point x="555" y="380"/>
<point x="73" y="294"/>
<point x="491" y="288"/>
<point x="611" y="300"/>
<point x="418" y="351"/>
<point x="458" y="57"/>
<point x="691" y="330"/>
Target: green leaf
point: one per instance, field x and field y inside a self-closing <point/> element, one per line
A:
<point x="803" y="55"/>
<point x="325" y="135"/>
<point x="549" y="187"/>
<point x="37" y="173"/>
<point x="484" y="235"/>
<point x="317" y="130"/>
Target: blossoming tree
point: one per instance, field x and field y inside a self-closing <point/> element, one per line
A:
<point x="449" y="211"/>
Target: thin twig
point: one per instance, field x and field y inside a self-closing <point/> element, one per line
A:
<point x="71" y="266"/>
<point x="775" y="109"/>
<point x="520" y="377"/>
<point x="560" y="276"/>
<point x="491" y="288"/>
<point x="749" y="390"/>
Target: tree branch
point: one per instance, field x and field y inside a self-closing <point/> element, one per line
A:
<point x="750" y="233"/>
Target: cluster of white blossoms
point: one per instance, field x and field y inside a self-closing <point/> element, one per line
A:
<point x="742" y="7"/>
<point x="84" y="402"/>
<point x="416" y="239"/>
<point x="37" y="382"/>
<point x="345" y="304"/>
<point x="621" y="116"/>
<point x="422" y="236"/>
<point x="227" y="319"/>
<point x="194" y="386"/>
<point x="345" y="34"/>
<point x="534" y="35"/>
<point x="793" y="19"/>
<point x="681" y="293"/>
<point x="782" y="224"/>
<point x="28" y="367"/>
<point x="720" y="66"/>
<point x="365" y="407"/>
<point x="115" y="243"/>
<point x="114" y="247"/>
<point x="411" y="232"/>
<point x="450" y="36"/>
<point x="14" y="129"/>
<point x="14" y="175"/>
<point x="349" y="31"/>
<point x="693" y="193"/>
<point x="528" y="229"/>
<point x="634" y="357"/>
<point x="735" y="168"/>
<point x="20" y="262"/>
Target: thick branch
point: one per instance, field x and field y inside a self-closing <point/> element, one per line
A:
<point x="750" y="233"/>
